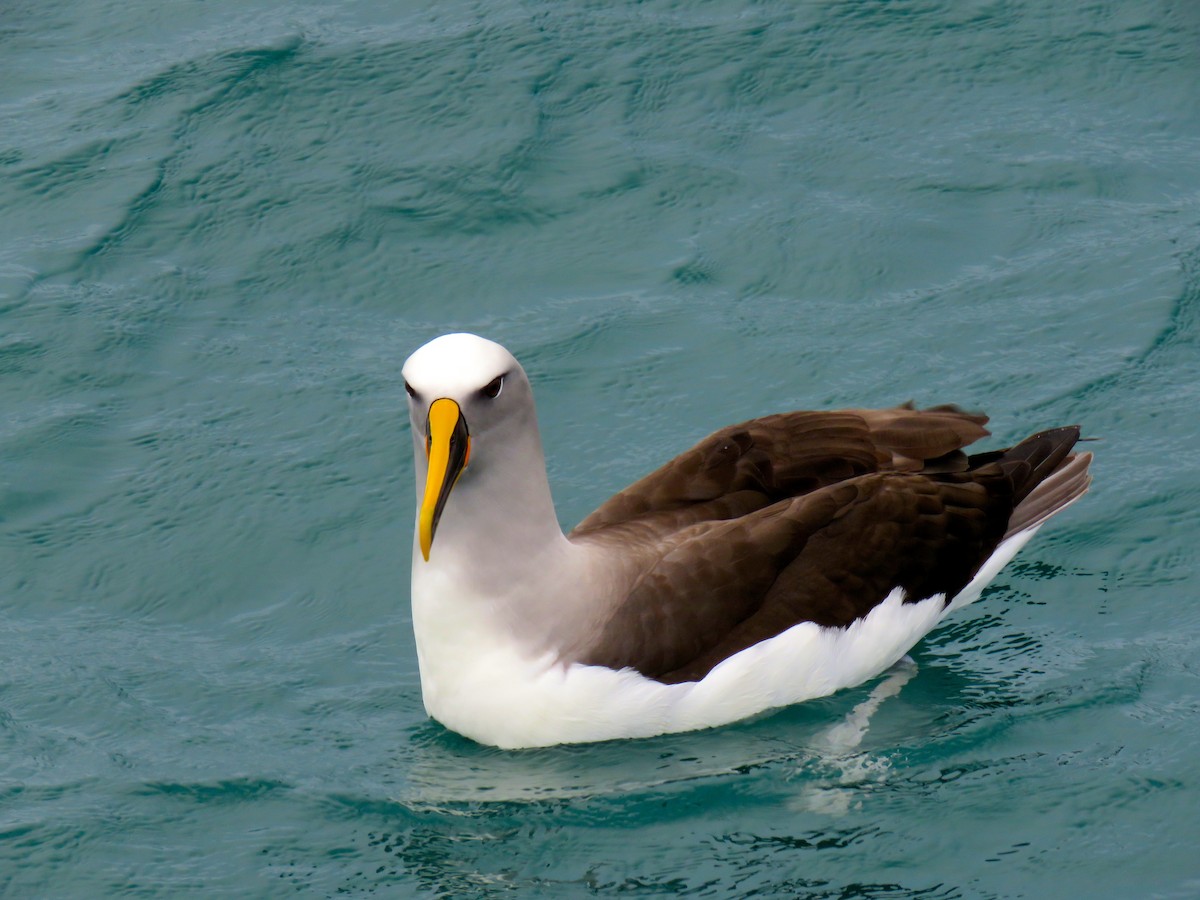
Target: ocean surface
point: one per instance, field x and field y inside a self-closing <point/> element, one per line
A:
<point x="223" y="227"/>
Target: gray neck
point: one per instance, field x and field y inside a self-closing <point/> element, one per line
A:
<point x="499" y="554"/>
<point x="500" y="517"/>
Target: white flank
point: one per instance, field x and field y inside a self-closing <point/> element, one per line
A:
<point x="477" y="682"/>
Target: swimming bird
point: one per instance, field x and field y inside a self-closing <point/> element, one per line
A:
<point x="778" y="560"/>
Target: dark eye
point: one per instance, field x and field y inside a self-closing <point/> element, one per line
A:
<point x="491" y="390"/>
<point x="408" y="387"/>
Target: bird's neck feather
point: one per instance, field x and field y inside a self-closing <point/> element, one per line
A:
<point x="499" y="559"/>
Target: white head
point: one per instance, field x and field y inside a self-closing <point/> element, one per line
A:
<point x="474" y="426"/>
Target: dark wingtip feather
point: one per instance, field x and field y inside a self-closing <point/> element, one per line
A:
<point x="1033" y="460"/>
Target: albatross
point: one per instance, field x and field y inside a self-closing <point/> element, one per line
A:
<point x="778" y="560"/>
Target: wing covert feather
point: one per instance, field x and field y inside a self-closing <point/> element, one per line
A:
<point x="785" y="455"/>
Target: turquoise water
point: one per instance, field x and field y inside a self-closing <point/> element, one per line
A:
<point x="226" y="225"/>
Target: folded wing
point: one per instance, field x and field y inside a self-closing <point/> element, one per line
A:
<point x="812" y="517"/>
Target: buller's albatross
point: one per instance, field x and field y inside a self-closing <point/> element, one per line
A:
<point x="776" y="561"/>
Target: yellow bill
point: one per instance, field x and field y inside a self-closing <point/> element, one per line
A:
<point x="447" y="447"/>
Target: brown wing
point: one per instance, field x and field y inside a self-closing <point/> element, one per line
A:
<point x="759" y="462"/>
<point x="827" y="557"/>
